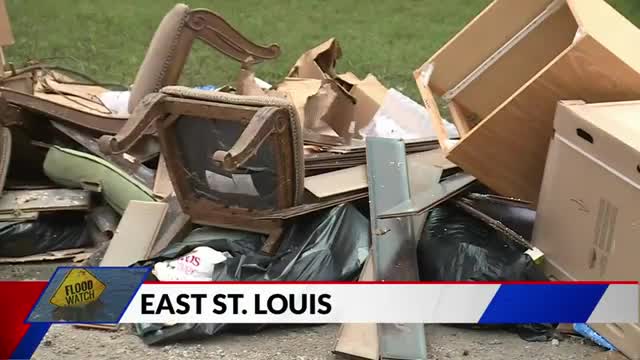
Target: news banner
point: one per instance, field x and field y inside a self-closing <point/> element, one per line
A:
<point x="117" y="295"/>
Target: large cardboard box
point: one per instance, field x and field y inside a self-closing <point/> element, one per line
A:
<point x="504" y="73"/>
<point x="588" y="218"/>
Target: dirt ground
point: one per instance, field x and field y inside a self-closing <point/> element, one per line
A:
<point x="283" y="342"/>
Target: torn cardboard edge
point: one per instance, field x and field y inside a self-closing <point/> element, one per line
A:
<point x="323" y="97"/>
<point x="320" y="104"/>
<point x="318" y="62"/>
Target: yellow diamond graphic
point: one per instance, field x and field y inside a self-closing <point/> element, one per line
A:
<point x="79" y="287"/>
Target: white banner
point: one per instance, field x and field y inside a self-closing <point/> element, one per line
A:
<point x="380" y="303"/>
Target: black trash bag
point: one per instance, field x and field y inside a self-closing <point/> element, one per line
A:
<point x="47" y="233"/>
<point x="455" y="246"/>
<point x="331" y="245"/>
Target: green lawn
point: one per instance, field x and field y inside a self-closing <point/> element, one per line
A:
<point x="107" y="39"/>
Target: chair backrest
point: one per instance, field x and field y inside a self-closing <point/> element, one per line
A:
<point x="162" y="54"/>
<point x="240" y="152"/>
<point x="172" y="42"/>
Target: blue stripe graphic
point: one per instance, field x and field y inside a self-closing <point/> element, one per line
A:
<point x="543" y="303"/>
<point x="30" y="341"/>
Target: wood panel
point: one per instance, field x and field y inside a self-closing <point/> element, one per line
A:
<point x="507" y="150"/>
<point x="44" y="200"/>
<point x="162" y="184"/>
<point x="136" y="233"/>
<point x="526" y="58"/>
<point x="480" y="38"/>
<point x="359" y="340"/>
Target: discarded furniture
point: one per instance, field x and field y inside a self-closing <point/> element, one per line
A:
<point x="134" y="168"/>
<point x="62" y="98"/>
<point x="234" y="161"/>
<point x="503" y="74"/>
<point x="76" y="169"/>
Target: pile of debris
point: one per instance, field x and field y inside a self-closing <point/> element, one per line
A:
<point x="266" y="182"/>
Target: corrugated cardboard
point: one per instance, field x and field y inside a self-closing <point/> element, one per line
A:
<point x="369" y="94"/>
<point x="322" y="97"/>
<point x="355" y="178"/>
<point x="298" y="90"/>
<point x="319" y="62"/>
<point x="6" y="35"/>
<point x="588" y="218"/>
<point x="330" y="106"/>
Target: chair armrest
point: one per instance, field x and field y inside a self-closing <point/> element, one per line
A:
<point x="266" y="121"/>
<point x="144" y="115"/>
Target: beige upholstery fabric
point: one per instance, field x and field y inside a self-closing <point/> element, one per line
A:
<point x="160" y="55"/>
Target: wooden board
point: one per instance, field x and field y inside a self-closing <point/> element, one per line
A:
<point x="359" y="340"/>
<point x="355" y="178"/>
<point x="136" y="233"/>
<point x="162" y="183"/>
<point x="462" y="54"/>
<point x="76" y="255"/>
<point x="105" y="327"/>
<point x="607" y="26"/>
<point x="518" y="65"/>
<point x="19" y="216"/>
<point x="175" y="225"/>
<point x="44" y="200"/>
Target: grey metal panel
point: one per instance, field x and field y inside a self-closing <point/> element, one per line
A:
<point x="394" y="243"/>
<point x="426" y="201"/>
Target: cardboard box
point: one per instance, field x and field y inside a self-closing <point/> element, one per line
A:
<point x="503" y="74"/>
<point x="322" y="97"/>
<point x="6" y="35"/>
<point x="588" y="218"/>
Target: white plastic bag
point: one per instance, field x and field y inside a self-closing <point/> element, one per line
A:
<point x="116" y="101"/>
<point x="400" y="117"/>
<point x="196" y="265"/>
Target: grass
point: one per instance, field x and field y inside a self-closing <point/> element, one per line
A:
<point x="108" y="39"/>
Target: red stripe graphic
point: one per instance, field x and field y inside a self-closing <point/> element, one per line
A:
<point x="16" y="302"/>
